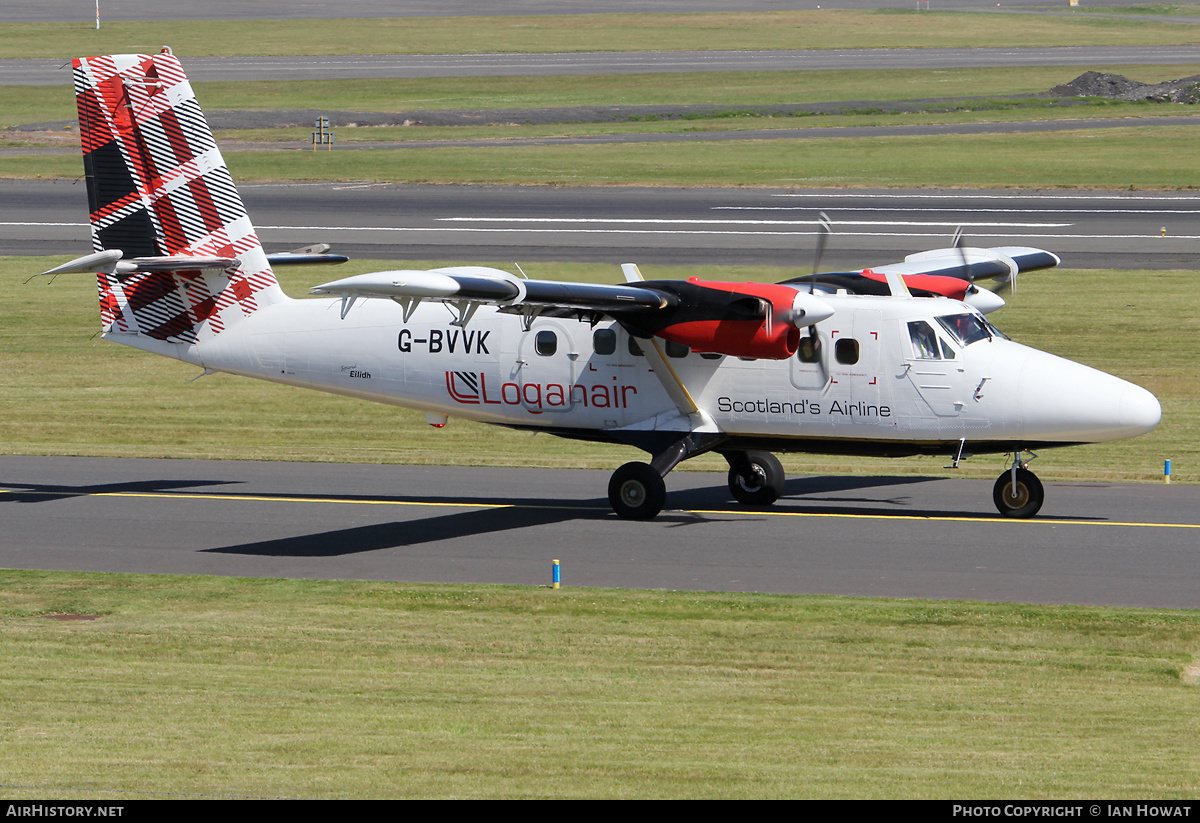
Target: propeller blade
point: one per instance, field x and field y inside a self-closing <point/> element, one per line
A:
<point x="1008" y="287"/>
<point x="822" y="239"/>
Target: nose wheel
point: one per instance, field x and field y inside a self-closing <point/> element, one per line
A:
<point x="1018" y="493"/>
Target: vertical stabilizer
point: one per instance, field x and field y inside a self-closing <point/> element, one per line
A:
<point x="158" y="188"/>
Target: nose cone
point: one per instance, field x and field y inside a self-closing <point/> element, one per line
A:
<point x="1068" y="402"/>
<point x="808" y="310"/>
<point x="983" y="300"/>
<point x="1140" y="411"/>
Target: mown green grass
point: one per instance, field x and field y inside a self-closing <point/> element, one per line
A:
<point x="217" y="687"/>
<point x="732" y="120"/>
<point x="1160" y="9"/>
<point x="822" y="29"/>
<point x="37" y="104"/>
<point x="1142" y="157"/>
<point x="64" y="391"/>
<point x="1154" y="157"/>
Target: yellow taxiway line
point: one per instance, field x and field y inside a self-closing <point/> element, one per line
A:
<point x="724" y="512"/>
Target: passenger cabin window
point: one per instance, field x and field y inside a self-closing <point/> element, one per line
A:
<point x="924" y="341"/>
<point x="546" y="343"/>
<point x="604" y="341"/>
<point x="676" y="349"/>
<point x="634" y="348"/>
<point x="809" y="350"/>
<point x="846" y="351"/>
<point x="710" y="355"/>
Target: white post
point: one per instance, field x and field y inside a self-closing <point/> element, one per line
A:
<point x="97" y="15"/>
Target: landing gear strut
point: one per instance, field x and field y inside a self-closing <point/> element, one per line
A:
<point x="1018" y="493"/>
<point x="755" y="478"/>
<point x="637" y="491"/>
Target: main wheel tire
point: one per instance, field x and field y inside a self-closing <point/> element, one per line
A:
<point x="637" y="492"/>
<point x="758" y="481"/>
<point x="1028" y="498"/>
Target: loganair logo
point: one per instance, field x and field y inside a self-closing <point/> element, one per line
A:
<point x="473" y="389"/>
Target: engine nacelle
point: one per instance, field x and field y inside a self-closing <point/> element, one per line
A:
<point x="736" y="338"/>
<point x="760" y="320"/>
<point x="954" y="287"/>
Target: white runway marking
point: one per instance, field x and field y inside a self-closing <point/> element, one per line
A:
<point x="714" y="222"/>
<point x="938" y="196"/>
<point x="934" y="229"/>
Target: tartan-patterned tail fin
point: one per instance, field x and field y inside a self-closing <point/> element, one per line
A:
<point x="159" y="191"/>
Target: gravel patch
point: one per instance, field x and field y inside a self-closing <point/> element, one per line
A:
<point x="1119" y="87"/>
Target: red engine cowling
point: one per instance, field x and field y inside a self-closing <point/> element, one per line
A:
<point x="759" y="322"/>
<point x="937" y="283"/>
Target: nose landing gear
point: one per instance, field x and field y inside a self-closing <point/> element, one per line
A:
<point x="1018" y="493"/>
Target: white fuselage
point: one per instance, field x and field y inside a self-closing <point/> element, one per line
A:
<point x="871" y="387"/>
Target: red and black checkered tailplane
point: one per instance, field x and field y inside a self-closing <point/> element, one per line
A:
<point x="158" y="187"/>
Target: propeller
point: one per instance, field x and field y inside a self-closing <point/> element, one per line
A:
<point x="1009" y="285"/>
<point x="822" y="239"/>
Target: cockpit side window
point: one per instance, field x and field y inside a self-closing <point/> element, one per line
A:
<point x="966" y="328"/>
<point x="924" y="341"/>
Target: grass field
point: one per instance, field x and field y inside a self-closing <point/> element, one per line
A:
<point x="1143" y="157"/>
<point x="824" y="29"/>
<point x="212" y="687"/>
<point x="34" y="104"/>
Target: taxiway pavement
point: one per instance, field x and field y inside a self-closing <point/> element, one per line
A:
<point x="911" y="537"/>
<point x="730" y="226"/>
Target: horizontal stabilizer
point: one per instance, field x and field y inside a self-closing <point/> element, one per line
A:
<point x="291" y="258"/>
<point x="315" y="254"/>
<point x="111" y="261"/>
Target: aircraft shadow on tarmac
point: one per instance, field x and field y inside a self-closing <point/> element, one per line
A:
<point x="685" y="507"/>
<point x="35" y="493"/>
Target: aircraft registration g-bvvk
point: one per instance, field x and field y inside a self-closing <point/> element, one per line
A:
<point x="896" y="361"/>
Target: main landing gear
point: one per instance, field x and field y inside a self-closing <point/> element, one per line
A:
<point x="755" y="478"/>
<point x="637" y="491"/>
<point x="1018" y="493"/>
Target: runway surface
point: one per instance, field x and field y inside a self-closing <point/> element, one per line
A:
<point x="660" y="225"/>
<point x="1094" y="543"/>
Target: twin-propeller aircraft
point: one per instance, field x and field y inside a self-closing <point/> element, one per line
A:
<point x="895" y="361"/>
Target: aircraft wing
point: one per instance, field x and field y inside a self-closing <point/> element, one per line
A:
<point x="483" y="285"/>
<point x="737" y="319"/>
<point x="949" y="272"/>
<point x="971" y="264"/>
